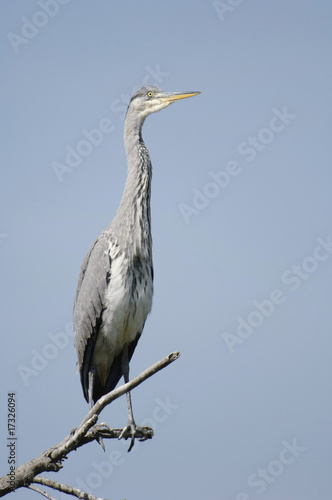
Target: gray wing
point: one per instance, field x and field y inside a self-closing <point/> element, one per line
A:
<point x="89" y="302"/>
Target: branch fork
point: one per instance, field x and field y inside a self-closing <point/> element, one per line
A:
<point x="51" y="460"/>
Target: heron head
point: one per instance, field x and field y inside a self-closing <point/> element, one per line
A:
<point x="150" y="99"/>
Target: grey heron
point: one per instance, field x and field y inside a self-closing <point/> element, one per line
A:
<point x="115" y="285"/>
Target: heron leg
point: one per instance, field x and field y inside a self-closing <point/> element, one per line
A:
<point x="131" y="425"/>
<point x="91" y="380"/>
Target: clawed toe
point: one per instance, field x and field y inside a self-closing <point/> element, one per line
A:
<point x="129" y="432"/>
<point x="103" y="427"/>
<point x="132" y="431"/>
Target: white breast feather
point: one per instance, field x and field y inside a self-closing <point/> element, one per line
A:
<point x="124" y="315"/>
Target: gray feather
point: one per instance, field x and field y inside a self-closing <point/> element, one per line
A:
<point x="89" y="302"/>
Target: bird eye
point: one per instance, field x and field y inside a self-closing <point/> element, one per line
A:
<point x="150" y="94"/>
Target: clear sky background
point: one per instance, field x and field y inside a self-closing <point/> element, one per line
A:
<point x="242" y="232"/>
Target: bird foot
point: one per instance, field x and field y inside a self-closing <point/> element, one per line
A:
<point x="133" y="431"/>
<point x="99" y="438"/>
<point x="129" y="432"/>
<point x="102" y="427"/>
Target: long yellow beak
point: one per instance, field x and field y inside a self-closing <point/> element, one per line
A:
<point x="174" y="96"/>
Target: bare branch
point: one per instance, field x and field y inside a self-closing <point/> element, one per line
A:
<point x="104" y="431"/>
<point x="70" y="490"/>
<point x="51" y="459"/>
<point x="43" y="493"/>
<point x="111" y="396"/>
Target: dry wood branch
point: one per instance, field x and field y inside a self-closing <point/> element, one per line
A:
<point x="43" y="493"/>
<point x="70" y="490"/>
<point x="102" y="430"/>
<point x="51" y="459"/>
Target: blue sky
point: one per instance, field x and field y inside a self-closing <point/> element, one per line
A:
<point x="241" y="220"/>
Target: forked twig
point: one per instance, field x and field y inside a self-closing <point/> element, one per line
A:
<point x="52" y="458"/>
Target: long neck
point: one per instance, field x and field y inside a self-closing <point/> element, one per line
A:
<point x="132" y="220"/>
